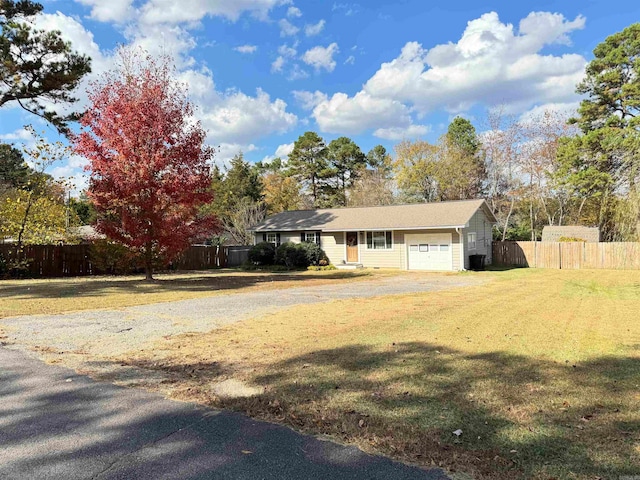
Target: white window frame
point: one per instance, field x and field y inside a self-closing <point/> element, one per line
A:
<point x="472" y="240"/>
<point x="275" y="238"/>
<point x="314" y="237"/>
<point x="387" y="246"/>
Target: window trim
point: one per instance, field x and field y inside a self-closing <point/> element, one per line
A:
<point x="388" y="235"/>
<point x="472" y="244"/>
<point x="275" y="238"/>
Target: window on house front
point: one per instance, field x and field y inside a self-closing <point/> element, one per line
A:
<point x="379" y="240"/>
<point x="272" y="238"/>
<point x="471" y="240"/>
<point x="309" y="237"/>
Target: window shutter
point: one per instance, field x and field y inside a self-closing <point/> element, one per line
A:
<point x="277" y="239"/>
<point x="264" y="237"/>
<point x="303" y="237"/>
<point x="369" y="240"/>
<point x="318" y="238"/>
<point x="389" y="240"/>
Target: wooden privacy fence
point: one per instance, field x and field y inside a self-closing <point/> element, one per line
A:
<point x="75" y="260"/>
<point x="568" y="255"/>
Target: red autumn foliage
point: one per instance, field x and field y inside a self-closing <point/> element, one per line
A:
<point x="148" y="162"/>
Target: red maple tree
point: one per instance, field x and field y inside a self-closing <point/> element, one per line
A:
<point x="148" y="163"/>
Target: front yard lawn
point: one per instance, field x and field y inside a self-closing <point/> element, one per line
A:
<point x="540" y="369"/>
<point x="51" y="296"/>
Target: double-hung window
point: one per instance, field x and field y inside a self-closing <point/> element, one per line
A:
<point x="310" y="237"/>
<point x="382" y="240"/>
<point x="471" y="240"/>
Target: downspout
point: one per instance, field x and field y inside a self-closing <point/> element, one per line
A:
<point x="461" y="240"/>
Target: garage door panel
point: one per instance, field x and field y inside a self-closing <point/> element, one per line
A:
<point x="429" y="251"/>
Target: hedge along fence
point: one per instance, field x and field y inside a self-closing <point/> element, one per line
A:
<point x="75" y="260"/>
<point x="568" y="255"/>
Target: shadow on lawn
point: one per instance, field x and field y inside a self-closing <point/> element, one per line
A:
<point x="519" y="417"/>
<point x="56" y="424"/>
<point x="107" y="286"/>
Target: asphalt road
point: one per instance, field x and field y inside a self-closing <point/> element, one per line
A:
<point x="55" y="424"/>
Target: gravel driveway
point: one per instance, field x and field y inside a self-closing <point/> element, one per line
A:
<point x="103" y="333"/>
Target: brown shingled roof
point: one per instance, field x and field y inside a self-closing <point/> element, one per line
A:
<point x="392" y="217"/>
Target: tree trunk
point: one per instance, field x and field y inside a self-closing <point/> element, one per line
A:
<point x="148" y="262"/>
<point x="23" y="227"/>
<point x="506" y="222"/>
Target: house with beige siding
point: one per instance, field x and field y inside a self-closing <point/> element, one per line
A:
<point x="423" y="236"/>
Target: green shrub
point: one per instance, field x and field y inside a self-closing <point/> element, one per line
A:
<point x="300" y="255"/>
<point x="113" y="258"/>
<point x="314" y="254"/>
<point x="291" y="255"/>
<point x="252" y="267"/>
<point x="263" y="253"/>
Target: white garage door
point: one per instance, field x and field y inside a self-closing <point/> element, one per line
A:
<point x="429" y="251"/>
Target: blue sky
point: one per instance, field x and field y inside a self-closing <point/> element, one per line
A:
<point x="262" y="72"/>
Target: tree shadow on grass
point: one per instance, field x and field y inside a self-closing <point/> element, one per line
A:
<point x="55" y="424"/>
<point x="519" y="417"/>
<point x="94" y="287"/>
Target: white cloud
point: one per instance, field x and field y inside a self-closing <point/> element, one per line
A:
<point x="297" y="73"/>
<point x="226" y="151"/>
<point x="350" y="61"/>
<point x="402" y="133"/>
<point x="308" y="100"/>
<point x="293" y="12"/>
<point x="284" y="150"/>
<point x="287" y="51"/>
<point x="277" y="64"/>
<point x="246" y="48"/>
<point x="341" y="114"/>
<point x="321" y="57"/>
<point x="287" y="29"/>
<point x="492" y="63"/>
<point x="314" y="29"/>
<point x="21" y="134"/>
<point x="234" y="117"/>
<point x="170" y="11"/>
<point x="117" y="11"/>
<point x="489" y="64"/>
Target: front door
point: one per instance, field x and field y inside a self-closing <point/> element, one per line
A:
<point x="352" y="247"/>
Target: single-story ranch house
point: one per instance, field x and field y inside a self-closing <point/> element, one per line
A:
<point x="423" y="236"/>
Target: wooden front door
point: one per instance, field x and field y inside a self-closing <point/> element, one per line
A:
<point x="352" y="247"/>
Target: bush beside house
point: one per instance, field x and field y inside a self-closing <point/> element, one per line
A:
<point x="290" y="255"/>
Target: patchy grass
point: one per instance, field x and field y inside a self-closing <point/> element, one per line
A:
<point x="29" y="297"/>
<point x="540" y="369"/>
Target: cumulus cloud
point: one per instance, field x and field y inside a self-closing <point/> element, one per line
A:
<point x="117" y="11"/>
<point x="402" y="133"/>
<point x="170" y="11"/>
<point x="246" y="48"/>
<point x="234" y="117"/>
<point x="493" y="63"/>
<point x="314" y="29"/>
<point x="277" y="64"/>
<point x="308" y="100"/>
<point x="340" y="113"/>
<point x="226" y="151"/>
<point x="284" y="150"/>
<point x="321" y="57"/>
<point x="287" y="29"/>
<point x="293" y="12"/>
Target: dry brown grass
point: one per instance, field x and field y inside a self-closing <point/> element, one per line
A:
<point x="30" y="297"/>
<point x="539" y="368"/>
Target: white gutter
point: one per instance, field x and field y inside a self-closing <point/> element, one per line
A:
<point x="377" y="229"/>
<point x="461" y="239"/>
